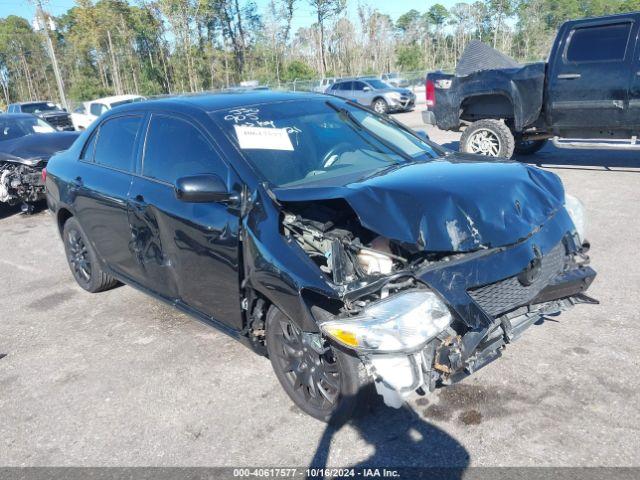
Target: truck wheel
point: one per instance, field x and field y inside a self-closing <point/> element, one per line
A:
<point x="324" y="382"/>
<point x="529" y="147"/>
<point x="488" y="137"/>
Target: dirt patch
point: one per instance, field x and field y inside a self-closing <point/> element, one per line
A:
<point x="471" y="404"/>
<point x="470" y="417"/>
<point x="51" y="301"/>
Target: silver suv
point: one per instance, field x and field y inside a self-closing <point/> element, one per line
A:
<point x="374" y="93"/>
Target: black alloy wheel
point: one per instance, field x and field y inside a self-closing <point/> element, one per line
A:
<point x="321" y="380"/>
<point x="78" y="256"/>
<point x="82" y="259"/>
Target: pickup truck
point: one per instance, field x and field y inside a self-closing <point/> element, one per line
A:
<point x="587" y="95"/>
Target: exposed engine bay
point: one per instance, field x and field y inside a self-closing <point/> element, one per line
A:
<point x="20" y="183"/>
<point x="377" y="280"/>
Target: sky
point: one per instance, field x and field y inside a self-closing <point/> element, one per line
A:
<point x="302" y="18"/>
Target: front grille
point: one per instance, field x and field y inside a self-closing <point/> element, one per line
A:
<point x="59" y="121"/>
<point x="505" y="295"/>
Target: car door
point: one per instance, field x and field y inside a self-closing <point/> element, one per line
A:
<point x="186" y="252"/>
<point x="589" y="81"/>
<point x="343" y="89"/>
<point x="101" y="187"/>
<point x="359" y="94"/>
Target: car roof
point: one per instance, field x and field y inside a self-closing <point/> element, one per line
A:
<point x="115" y="98"/>
<point x="33" y="101"/>
<point x="209" y="102"/>
<point x="17" y="115"/>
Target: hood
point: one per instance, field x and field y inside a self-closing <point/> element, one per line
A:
<point x="402" y="91"/>
<point x="456" y="204"/>
<point x="35" y="148"/>
<point x="52" y="113"/>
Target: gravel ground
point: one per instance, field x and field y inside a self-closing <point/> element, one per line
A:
<point x="119" y="379"/>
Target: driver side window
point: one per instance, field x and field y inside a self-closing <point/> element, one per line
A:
<point x="175" y="148"/>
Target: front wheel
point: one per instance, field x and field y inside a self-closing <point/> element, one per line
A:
<point x="379" y="105"/>
<point x="488" y="137"/>
<point x="322" y="381"/>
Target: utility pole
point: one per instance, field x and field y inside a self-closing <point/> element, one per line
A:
<point x="42" y="23"/>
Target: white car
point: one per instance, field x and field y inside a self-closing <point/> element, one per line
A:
<point x="86" y="113"/>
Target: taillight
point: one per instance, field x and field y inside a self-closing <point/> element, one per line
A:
<point x="431" y="93"/>
<point x="44" y="175"/>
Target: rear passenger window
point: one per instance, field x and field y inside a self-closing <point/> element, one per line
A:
<point x="116" y="142"/>
<point x="175" y="148"/>
<point x="90" y="147"/>
<point x="601" y="43"/>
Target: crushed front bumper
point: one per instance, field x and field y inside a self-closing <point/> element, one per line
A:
<point x="495" y="295"/>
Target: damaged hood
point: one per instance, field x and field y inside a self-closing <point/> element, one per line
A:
<point x="459" y="203"/>
<point x="35" y="148"/>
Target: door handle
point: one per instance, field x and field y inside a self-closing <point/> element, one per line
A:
<point x="638" y="73"/>
<point x="568" y="76"/>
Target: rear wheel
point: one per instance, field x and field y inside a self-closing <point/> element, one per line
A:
<point x="82" y="259"/>
<point x="488" y="137"/>
<point x="322" y="381"/>
<point x="529" y="147"/>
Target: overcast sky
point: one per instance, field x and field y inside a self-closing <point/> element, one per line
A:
<point x="302" y="18"/>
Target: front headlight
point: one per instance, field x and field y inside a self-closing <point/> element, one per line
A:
<point x="402" y="322"/>
<point x="394" y="95"/>
<point x="576" y="211"/>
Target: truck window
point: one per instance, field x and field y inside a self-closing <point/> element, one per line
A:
<point x="599" y="43"/>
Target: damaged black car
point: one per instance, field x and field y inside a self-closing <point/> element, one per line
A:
<point x="26" y="144"/>
<point x="349" y="249"/>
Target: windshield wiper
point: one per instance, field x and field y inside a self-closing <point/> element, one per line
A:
<point x="344" y="113"/>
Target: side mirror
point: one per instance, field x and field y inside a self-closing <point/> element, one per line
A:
<point x="366" y="89"/>
<point x="202" y="189"/>
<point x="422" y="134"/>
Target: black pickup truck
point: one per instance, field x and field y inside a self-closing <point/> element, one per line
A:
<point x="587" y="95"/>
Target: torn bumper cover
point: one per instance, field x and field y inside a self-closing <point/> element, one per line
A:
<point x="492" y="296"/>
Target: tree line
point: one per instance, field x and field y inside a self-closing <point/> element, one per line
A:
<point x="154" y="47"/>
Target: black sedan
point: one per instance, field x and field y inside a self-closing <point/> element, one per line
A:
<point x="350" y="250"/>
<point x="26" y="144"/>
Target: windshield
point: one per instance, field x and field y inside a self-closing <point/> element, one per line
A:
<point x="301" y="142"/>
<point x="11" y="128"/>
<point x="124" y="102"/>
<point x="38" y="107"/>
<point x="378" y="84"/>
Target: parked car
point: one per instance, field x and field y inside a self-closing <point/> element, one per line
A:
<point x="26" y="144"/>
<point x="374" y="93"/>
<point x="87" y="112"/>
<point x="51" y="112"/>
<point x="585" y="96"/>
<point x="348" y="248"/>
<point x="394" y="79"/>
<point x="324" y="84"/>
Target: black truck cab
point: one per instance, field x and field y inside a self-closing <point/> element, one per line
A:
<point x="587" y="95"/>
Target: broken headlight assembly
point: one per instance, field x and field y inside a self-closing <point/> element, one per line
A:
<point x="576" y="211"/>
<point x="403" y="322"/>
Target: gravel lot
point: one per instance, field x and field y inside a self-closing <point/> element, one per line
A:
<point x="119" y="379"/>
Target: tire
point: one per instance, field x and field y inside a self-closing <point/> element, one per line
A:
<point x="380" y="105"/>
<point x="352" y="388"/>
<point x="488" y="137"/>
<point x="529" y="148"/>
<point x="82" y="259"/>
